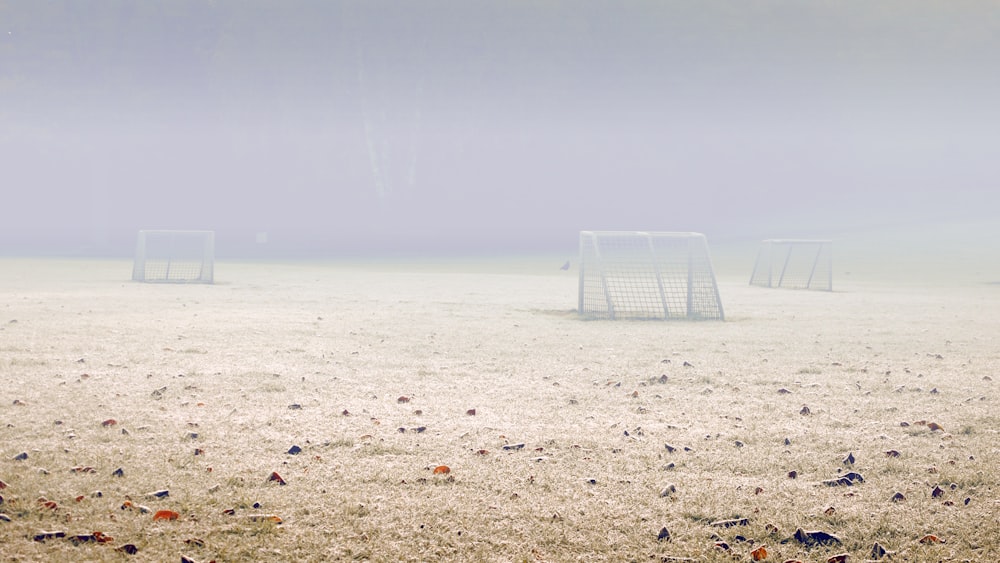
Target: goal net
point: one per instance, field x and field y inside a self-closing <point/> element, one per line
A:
<point x="795" y="264"/>
<point x="647" y="275"/>
<point x="174" y="257"/>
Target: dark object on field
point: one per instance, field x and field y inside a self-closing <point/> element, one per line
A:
<point x="128" y="548"/>
<point x="162" y="493"/>
<point x="878" y="552"/>
<point x="275" y="477"/>
<point x="294" y="450"/>
<point x="670" y="448"/>
<point x="813" y="537"/>
<point x="565" y="266"/>
<point x="295" y="406"/>
<point x="664" y="534"/>
<point x="118" y="472"/>
<point x="937" y="492"/>
<point x="514" y="446"/>
<point x="849" y="460"/>
<point x="21" y="456"/>
<point x="898" y="497"/>
<point x="43" y="535"/>
<point x="471" y="412"/>
<point x="846" y="480"/>
<point x="805" y="410"/>
<point x="730" y="523"/>
<point x="892" y="453"/>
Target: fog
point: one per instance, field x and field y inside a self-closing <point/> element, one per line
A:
<point x="354" y="128"/>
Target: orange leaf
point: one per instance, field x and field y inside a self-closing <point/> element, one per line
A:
<point x="275" y="477"/>
<point x="165" y="515"/>
<point x="934" y="426"/>
<point x="931" y="538"/>
<point x="759" y="554"/>
<point x="442" y="469"/>
<point x="264" y="518"/>
<point x="109" y="422"/>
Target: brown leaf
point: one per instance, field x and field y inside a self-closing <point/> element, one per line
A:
<point x="165" y="515"/>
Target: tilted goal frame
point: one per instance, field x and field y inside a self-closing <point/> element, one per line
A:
<point x="165" y="256"/>
<point x="794" y="264"/>
<point x="644" y="275"/>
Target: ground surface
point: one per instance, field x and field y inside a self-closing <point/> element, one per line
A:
<point x="381" y="372"/>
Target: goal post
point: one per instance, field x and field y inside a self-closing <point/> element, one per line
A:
<point x="164" y="256"/>
<point x="647" y="276"/>
<point x="794" y="264"/>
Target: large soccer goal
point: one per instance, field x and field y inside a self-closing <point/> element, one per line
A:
<point x="174" y="257"/>
<point x="647" y="275"/>
<point x="794" y="263"/>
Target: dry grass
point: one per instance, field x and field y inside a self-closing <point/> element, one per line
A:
<point x="219" y="370"/>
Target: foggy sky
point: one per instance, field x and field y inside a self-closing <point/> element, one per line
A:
<point x="353" y="127"/>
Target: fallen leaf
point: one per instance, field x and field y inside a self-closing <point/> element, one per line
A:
<point x="759" y="554"/>
<point x="277" y="478"/>
<point x="165" y="515"/>
<point x="442" y="470"/>
<point x="264" y="518"/>
<point x="931" y="538"/>
<point x="109" y="422"/>
<point x="814" y="537"/>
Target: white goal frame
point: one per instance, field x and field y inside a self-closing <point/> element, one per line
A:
<point x="794" y="264"/>
<point x="647" y="276"/>
<point x="164" y="256"/>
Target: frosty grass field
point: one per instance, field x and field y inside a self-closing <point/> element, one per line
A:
<point x="146" y="422"/>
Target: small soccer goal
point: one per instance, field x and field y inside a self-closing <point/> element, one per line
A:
<point x="794" y="264"/>
<point x="647" y="276"/>
<point x="174" y="257"/>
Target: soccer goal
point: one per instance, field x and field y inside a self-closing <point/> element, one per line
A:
<point x="647" y="275"/>
<point x="795" y="264"/>
<point x="174" y="257"/>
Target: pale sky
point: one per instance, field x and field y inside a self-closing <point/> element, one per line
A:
<point x="365" y="127"/>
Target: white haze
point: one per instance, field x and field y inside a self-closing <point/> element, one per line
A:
<point x="350" y="128"/>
